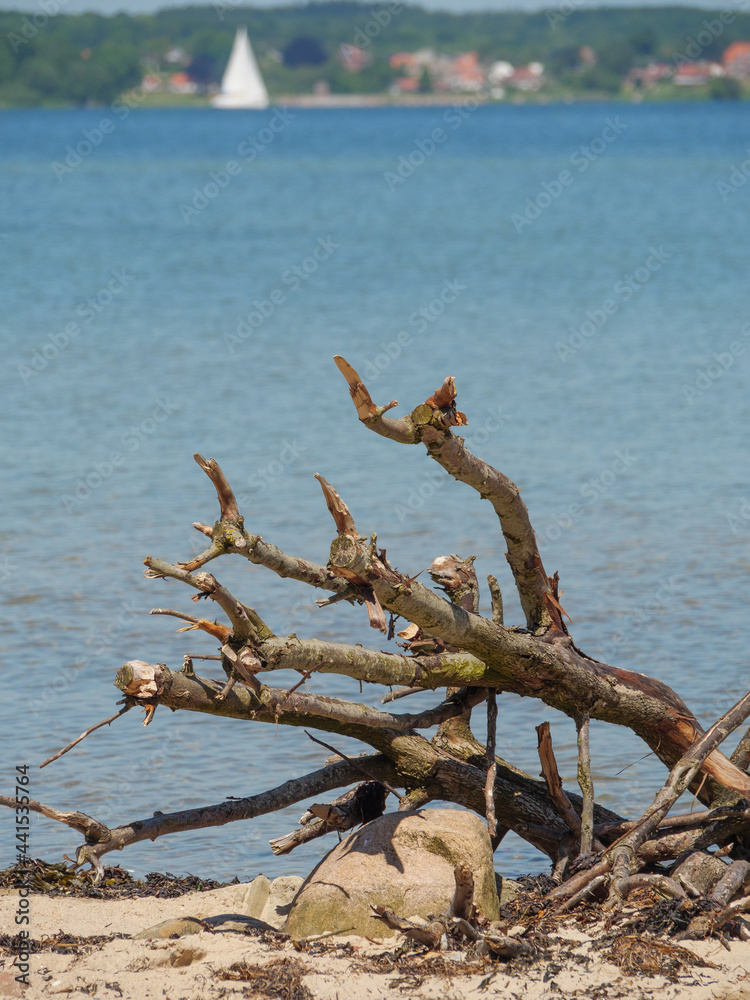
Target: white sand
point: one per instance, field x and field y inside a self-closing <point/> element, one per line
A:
<point x="183" y="968"/>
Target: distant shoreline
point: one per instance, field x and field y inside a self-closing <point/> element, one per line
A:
<point x="347" y="101"/>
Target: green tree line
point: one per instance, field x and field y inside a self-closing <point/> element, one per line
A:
<point x="48" y="57"/>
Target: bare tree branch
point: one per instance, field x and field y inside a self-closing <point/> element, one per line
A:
<point x="91" y="729"/>
<point x="586" y="785"/>
<point x="624" y="851"/>
<point x="430" y="424"/>
<point x="227" y="501"/>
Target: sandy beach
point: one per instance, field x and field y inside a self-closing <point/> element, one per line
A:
<point x="85" y="947"/>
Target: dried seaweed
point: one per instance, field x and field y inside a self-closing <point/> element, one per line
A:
<point x="61" y="880"/>
<point x="423" y="966"/>
<point x="638" y="955"/>
<point x="670" y="916"/>
<point x="60" y="943"/>
<point x="281" y="978"/>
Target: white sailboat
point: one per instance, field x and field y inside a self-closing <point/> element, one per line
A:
<point x="242" y="85"/>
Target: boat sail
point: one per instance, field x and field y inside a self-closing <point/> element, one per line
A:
<point x="242" y="85"/>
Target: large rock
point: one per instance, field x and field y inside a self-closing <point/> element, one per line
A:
<point x="402" y="860"/>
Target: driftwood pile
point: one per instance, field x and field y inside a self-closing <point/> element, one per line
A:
<point x="445" y="643"/>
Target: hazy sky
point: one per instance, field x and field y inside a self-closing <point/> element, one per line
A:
<point x="141" y="6"/>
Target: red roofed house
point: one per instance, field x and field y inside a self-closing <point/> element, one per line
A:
<point x="466" y="73"/>
<point x="404" y="60"/>
<point x="406" y="84"/>
<point x="736" y="60"/>
<point x="691" y="74"/>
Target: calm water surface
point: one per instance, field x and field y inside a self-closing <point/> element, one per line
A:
<point x="183" y="288"/>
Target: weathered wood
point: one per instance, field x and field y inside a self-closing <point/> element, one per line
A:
<point x="428" y="934"/>
<point x="552" y="778"/>
<point x="453" y="647"/>
<point x="737" y="876"/>
<point x="461" y="906"/>
<point x="586" y="784"/>
<point x="357" y="806"/>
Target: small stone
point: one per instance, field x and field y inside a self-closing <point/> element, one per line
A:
<point x="238" y="922"/>
<point x="179" y="957"/>
<point x="176" y="927"/>
<point x="8" y="985"/>
<point x="256" y="896"/>
<point x="280" y="898"/>
<point x="507" y="889"/>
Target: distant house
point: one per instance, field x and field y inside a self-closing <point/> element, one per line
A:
<point x="353" y="58"/>
<point x="587" y="55"/>
<point x="500" y="71"/>
<point x="180" y="83"/>
<point x="177" y="55"/>
<point x="691" y="74"/>
<point x="152" y="83"/>
<point x="736" y="60"/>
<point x="466" y="73"/>
<point x="405" y="61"/>
<point x="529" y="77"/>
<point x="649" y="76"/>
<point x="406" y="85"/>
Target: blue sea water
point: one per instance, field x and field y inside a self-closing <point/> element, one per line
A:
<point x="178" y="282"/>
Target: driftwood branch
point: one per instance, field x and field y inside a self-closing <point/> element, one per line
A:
<point x="586" y="785"/>
<point x="92" y="829"/>
<point x="500" y="657"/>
<point x="101" y="839"/>
<point x="358" y="805"/>
<point x="679" y="778"/>
<point x="489" y="786"/>
<point x="87" y="732"/>
<point x="449" y="646"/>
<point x="229" y="510"/>
<point x="430" y="424"/>
<point x="554" y="783"/>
